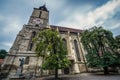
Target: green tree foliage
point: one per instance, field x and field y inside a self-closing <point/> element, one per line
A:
<point x="3" y="53"/>
<point x="117" y="38"/>
<point x="49" y="45"/>
<point x="100" y="45"/>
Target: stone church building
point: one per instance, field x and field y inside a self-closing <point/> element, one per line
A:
<point x="23" y="47"/>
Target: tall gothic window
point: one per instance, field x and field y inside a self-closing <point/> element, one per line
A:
<point x="33" y="34"/>
<point x="31" y="43"/>
<point x="64" y="42"/>
<point x="27" y="60"/>
<point x="31" y="46"/>
<point x="77" y="50"/>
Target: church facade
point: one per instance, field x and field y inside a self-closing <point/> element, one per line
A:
<point x="23" y="47"/>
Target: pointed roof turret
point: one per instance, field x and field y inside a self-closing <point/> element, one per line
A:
<point x="43" y="8"/>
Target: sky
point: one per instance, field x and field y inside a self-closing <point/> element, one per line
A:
<point x="79" y="14"/>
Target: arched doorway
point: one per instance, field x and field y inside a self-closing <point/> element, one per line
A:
<point x="70" y="69"/>
<point x="66" y="70"/>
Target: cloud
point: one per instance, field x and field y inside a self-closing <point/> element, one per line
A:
<point x="53" y="5"/>
<point x="11" y="26"/>
<point x="116" y="31"/>
<point x="5" y="45"/>
<point x="112" y="24"/>
<point x="98" y="16"/>
<point x="116" y="26"/>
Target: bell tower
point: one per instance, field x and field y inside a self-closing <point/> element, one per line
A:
<point x="40" y="16"/>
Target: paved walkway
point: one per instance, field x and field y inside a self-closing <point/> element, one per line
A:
<point x="84" y="76"/>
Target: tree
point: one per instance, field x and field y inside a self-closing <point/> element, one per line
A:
<point x="100" y="46"/>
<point x="117" y="38"/>
<point x="50" y="47"/>
<point x="117" y="45"/>
<point x="3" y="53"/>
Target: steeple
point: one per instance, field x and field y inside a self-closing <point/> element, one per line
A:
<point x="40" y="16"/>
<point x="43" y="8"/>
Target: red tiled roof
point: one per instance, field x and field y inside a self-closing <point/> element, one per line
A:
<point x="1" y="61"/>
<point x="60" y="28"/>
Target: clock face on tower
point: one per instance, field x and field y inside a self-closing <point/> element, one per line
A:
<point x="38" y="21"/>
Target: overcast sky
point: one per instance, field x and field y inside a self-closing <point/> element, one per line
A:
<point x="80" y="14"/>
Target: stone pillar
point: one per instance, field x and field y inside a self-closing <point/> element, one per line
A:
<point x="76" y="68"/>
<point x="82" y="52"/>
<point x="68" y="43"/>
<point x="118" y="68"/>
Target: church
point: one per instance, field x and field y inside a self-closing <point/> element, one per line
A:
<point x="23" y="47"/>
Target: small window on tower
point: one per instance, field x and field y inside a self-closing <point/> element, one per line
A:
<point x="27" y="60"/>
<point x="36" y="25"/>
<point x="40" y="14"/>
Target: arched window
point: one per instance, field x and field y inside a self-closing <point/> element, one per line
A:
<point x="33" y="34"/>
<point x="40" y="14"/>
<point x="27" y="60"/>
<point x="77" y="50"/>
<point x="64" y="42"/>
<point x="31" y="43"/>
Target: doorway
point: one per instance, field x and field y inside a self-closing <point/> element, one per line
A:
<point x="66" y="71"/>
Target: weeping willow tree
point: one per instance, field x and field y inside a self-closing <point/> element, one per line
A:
<point x="50" y="47"/>
<point x="117" y="38"/>
<point x="100" y="45"/>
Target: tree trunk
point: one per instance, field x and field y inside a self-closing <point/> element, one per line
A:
<point x="56" y="74"/>
<point x="106" y="70"/>
<point x="41" y="70"/>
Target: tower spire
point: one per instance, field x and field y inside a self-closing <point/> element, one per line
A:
<point x="43" y="8"/>
<point x="44" y="4"/>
